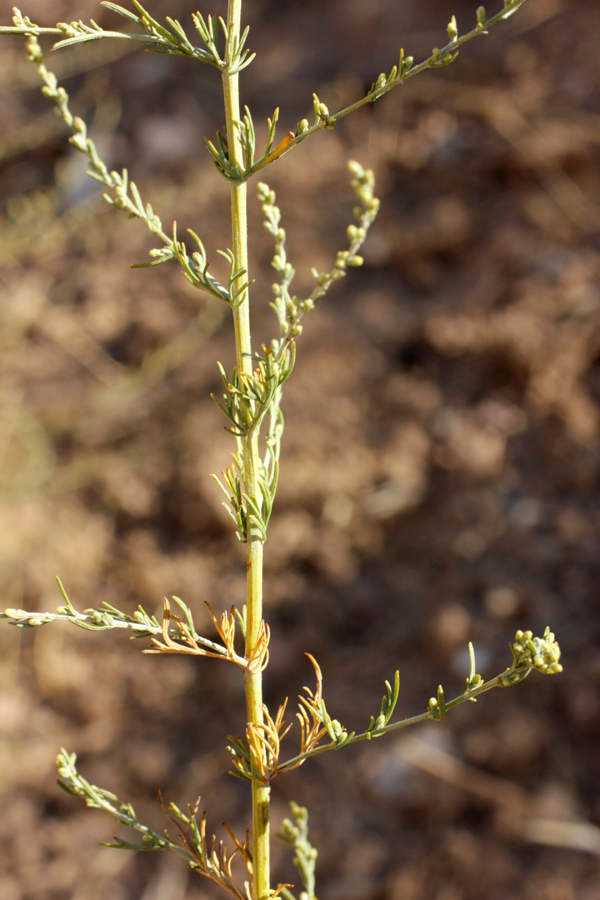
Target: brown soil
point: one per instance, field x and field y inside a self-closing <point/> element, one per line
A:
<point x="439" y="476"/>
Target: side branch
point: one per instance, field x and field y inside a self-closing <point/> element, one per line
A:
<point x="528" y="652"/>
<point x="400" y="73"/>
<point x="206" y="856"/>
<point x="126" y="196"/>
<point x="171" y="40"/>
<point x="175" y="634"/>
<point x="295" y="833"/>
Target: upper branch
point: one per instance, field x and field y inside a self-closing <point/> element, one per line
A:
<point x="400" y="73"/>
<point x="172" y="40"/>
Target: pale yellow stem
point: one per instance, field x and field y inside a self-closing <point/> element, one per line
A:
<point x="253" y="682"/>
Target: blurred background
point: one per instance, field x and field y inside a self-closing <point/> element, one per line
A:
<point x="439" y="478"/>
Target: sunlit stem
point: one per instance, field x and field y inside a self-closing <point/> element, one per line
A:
<point x="253" y="682"/>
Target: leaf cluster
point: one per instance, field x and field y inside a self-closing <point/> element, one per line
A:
<point x="250" y="397"/>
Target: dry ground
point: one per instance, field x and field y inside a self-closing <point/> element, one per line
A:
<point x="440" y="474"/>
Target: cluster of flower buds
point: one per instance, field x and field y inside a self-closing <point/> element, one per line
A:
<point x="542" y="653"/>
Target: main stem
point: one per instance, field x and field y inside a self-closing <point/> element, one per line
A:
<point x="241" y="317"/>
